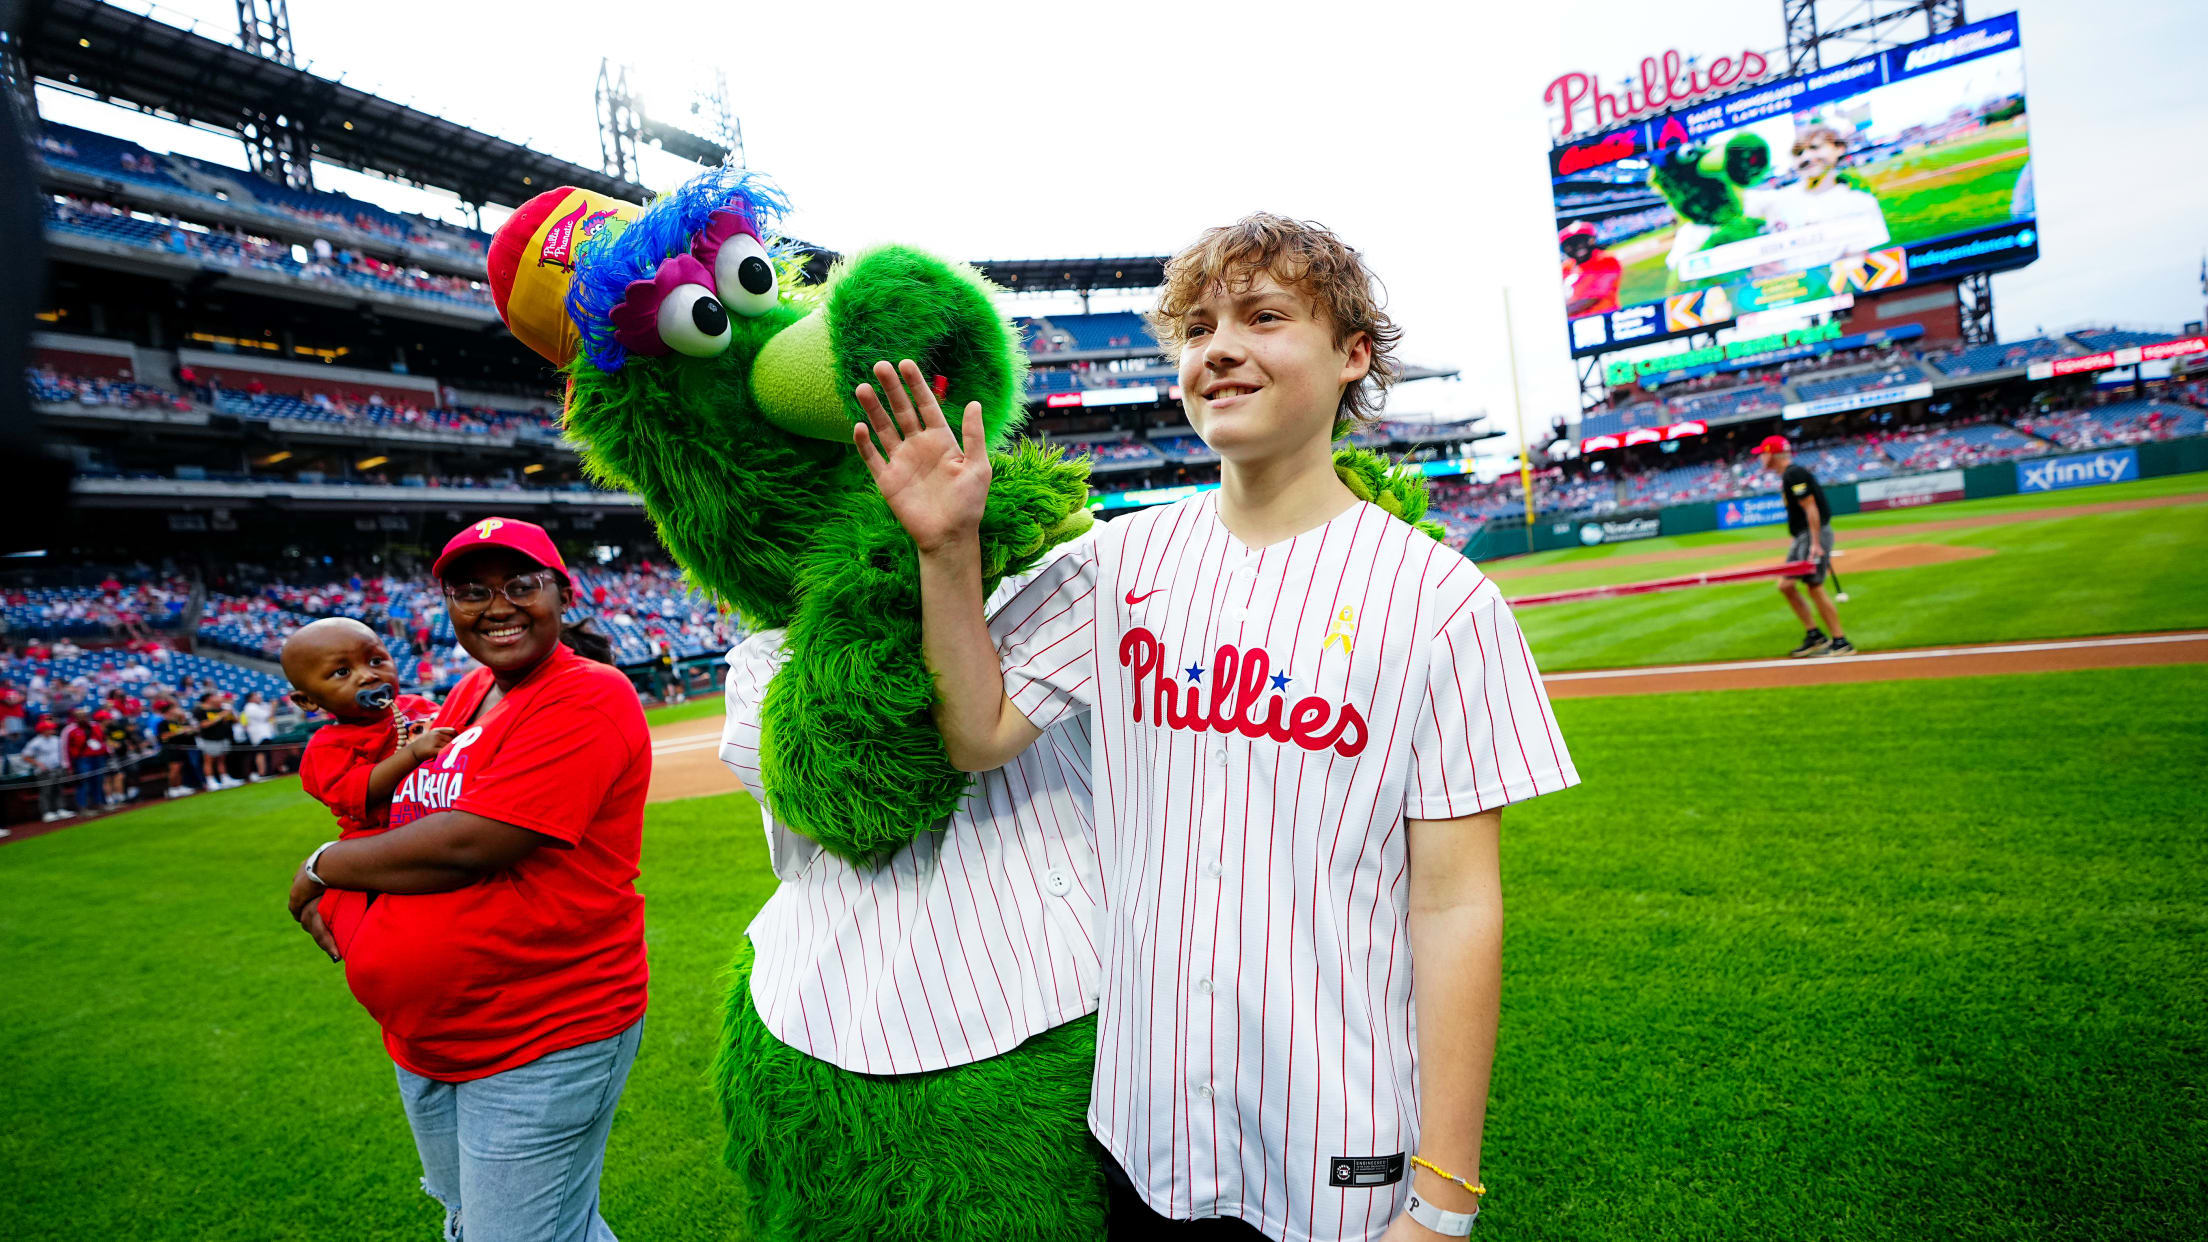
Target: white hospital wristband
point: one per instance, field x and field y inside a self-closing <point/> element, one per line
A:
<point x="1448" y="1224"/>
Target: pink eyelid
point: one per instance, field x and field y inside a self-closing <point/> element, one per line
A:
<point x="720" y="227"/>
<point x="636" y="320"/>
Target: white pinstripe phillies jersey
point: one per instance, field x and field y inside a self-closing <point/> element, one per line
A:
<point x="1266" y="719"/>
<point x="975" y="937"/>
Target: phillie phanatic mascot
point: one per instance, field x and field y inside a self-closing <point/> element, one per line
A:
<point x="705" y="377"/>
<point x="1704" y="185"/>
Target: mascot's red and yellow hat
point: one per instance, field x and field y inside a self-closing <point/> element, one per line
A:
<point x="532" y="262"/>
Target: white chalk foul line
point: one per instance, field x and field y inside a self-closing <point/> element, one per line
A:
<point x="683" y="744"/>
<point x="1874" y="657"/>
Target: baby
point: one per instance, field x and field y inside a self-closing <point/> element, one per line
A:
<point x="340" y="666"/>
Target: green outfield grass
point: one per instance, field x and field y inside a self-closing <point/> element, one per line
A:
<point x="1902" y="961"/>
<point x="707" y="705"/>
<point x="2048" y="577"/>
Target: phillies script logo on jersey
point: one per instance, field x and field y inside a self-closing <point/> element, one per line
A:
<point x="1246" y="697"/>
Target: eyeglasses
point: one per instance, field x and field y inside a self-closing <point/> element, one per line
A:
<point x="520" y="590"/>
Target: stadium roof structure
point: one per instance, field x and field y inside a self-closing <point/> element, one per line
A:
<point x="1075" y="275"/>
<point x="115" y="55"/>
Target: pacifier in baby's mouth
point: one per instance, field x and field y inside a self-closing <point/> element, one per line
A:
<point x="376" y="697"/>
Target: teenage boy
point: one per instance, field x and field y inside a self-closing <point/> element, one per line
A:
<point x="1809" y="521"/>
<point x="1308" y="717"/>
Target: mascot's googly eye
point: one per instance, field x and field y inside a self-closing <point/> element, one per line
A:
<point x="744" y="275"/>
<point x="692" y="321"/>
<point x="673" y="312"/>
<point x="743" y="271"/>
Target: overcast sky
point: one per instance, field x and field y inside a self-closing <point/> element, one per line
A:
<point x="1416" y="131"/>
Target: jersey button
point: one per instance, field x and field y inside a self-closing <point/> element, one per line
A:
<point x="1214" y="870"/>
<point x="1056" y="882"/>
<point x="1219" y="755"/>
<point x="1203" y="985"/>
<point x="1203" y="1090"/>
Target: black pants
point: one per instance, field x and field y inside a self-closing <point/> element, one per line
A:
<point x="1131" y="1219"/>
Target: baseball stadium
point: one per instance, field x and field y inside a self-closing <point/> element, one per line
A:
<point x="1874" y="623"/>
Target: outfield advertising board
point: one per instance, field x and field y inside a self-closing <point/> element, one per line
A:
<point x="1751" y="511"/>
<point x="1909" y="490"/>
<point x="2054" y="474"/>
<point x="1620" y="528"/>
<point x="1907" y="166"/>
<point x="1891" y="395"/>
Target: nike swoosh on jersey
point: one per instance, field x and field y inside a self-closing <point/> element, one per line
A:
<point x="1133" y="599"/>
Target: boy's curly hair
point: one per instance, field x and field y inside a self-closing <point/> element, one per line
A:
<point x="1301" y="255"/>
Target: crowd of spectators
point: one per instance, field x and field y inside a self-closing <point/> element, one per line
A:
<point x="2132" y="422"/>
<point x="82" y="726"/>
<point x="108" y="609"/>
<point x="232" y="246"/>
<point x="644" y="610"/>
<point x="50" y="387"/>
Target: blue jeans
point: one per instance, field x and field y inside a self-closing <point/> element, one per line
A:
<point x="89" y="793"/>
<point x="515" y="1157"/>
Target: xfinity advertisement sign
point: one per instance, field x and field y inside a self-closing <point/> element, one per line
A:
<point x="2054" y="474"/>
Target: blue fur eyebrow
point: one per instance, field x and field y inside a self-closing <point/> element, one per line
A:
<point x="606" y="267"/>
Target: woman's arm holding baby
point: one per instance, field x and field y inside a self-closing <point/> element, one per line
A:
<point x="434" y="854"/>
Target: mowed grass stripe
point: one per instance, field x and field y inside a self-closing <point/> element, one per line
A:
<point x="1872" y="962"/>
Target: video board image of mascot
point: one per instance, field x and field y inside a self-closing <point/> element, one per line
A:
<point x="1894" y="166"/>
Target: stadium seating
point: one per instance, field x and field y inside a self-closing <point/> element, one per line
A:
<point x="92" y="611"/>
<point x="1848" y="462"/>
<point x="1899" y="375"/>
<point x="48" y="388"/>
<point x="2003" y="356"/>
<point x="1614" y="422"/>
<point x="95" y="154"/>
<point x="2105" y="339"/>
<point x="1184" y="449"/>
<point x="1686" y="484"/>
<point x="107" y="223"/>
<point x="1945" y="448"/>
<point x="2130" y="422"/>
<point x="633" y="608"/>
<point x="1116" y="454"/>
<point x="1730" y="403"/>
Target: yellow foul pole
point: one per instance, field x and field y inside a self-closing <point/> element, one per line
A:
<point x="1518" y="406"/>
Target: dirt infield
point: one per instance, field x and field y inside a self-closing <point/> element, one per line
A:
<point x="684" y="763"/>
<point x="1503" y="571"/>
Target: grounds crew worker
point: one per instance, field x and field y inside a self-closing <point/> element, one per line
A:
<point x="1809" y="520"/>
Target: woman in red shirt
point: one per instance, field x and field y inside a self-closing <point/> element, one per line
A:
<point x="503" y="952"/>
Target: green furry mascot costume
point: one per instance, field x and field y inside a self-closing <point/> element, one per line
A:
<point x="705" y="379"/>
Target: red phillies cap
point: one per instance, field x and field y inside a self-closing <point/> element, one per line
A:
<point x="1773" y="444"/>
<point x="46" y="724"/>
<point x="527" y="538"/>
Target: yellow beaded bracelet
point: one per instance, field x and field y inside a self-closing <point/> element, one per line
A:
<point x="1447" y="1176"/>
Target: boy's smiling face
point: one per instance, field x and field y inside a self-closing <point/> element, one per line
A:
<point x="1261" y="375"/>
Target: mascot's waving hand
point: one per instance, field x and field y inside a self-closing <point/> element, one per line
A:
<point x="908" y="1056"/>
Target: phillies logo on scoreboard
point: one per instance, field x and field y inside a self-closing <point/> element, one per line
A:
<point x="1665" y="82"/>
<point x="1240" y="679"/>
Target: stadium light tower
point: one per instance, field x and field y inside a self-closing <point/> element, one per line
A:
<point x="277" y="145"/>
<point x="710" y="137"/>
